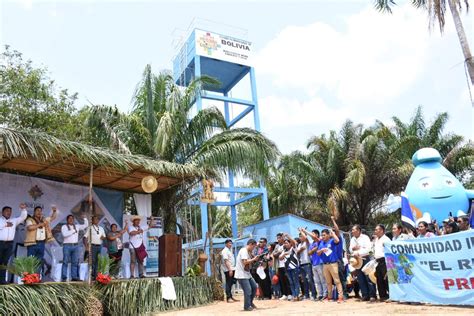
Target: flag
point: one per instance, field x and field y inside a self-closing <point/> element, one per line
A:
<point x="407" y="215"/>
<point x="471" y="218"/>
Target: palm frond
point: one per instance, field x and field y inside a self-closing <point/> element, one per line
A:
<point x="42" y="147"/>
<point x="384" y="5"/>
<point x="242" y="150"/>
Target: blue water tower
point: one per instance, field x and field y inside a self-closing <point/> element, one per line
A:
<point x="228" y="60"/>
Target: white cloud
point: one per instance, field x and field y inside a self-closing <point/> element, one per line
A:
<point x="373" y="55"/>
<point x="278" y="112"/>
<point x="368" y="66"/>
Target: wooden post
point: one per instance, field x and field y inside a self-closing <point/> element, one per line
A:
<point x="89" y="239"/>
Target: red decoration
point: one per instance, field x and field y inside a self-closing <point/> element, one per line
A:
<point x="275" y="280"/>
<point x="31" y="278"/>
<point x="103" y="278"/>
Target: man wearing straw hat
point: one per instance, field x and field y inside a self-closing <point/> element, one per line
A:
<point x="137" y="246"/>
<point x="360" y="246"/>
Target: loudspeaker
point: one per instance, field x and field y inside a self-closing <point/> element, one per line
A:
<point x="170" y="255"/>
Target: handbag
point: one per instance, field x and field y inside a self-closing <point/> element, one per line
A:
<point x="140" y="252"/>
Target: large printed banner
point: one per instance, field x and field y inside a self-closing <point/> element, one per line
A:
<point x="437" y="270"/>
<point x="223" y="47"/>
<point x="68" y="198"/>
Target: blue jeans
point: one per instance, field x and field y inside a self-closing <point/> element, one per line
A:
<point x="293" y="275"/>
<point x="71" y="255"/>
<point x="275" y="287"/>
<point x="308" y="281"/>
<point x="250" y="289"/>
<point x="38" y="252"/>
<point x="366" y="286"/>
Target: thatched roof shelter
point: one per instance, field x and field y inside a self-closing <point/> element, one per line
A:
<point x="41" y="155"/>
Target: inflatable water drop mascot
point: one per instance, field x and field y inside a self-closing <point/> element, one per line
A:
<point x="433" y="189"/>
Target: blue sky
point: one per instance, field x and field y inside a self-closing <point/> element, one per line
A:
<point x="318" y="63"/>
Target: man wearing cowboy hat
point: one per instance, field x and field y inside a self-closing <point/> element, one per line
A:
<point x="136" y="233"/>
<point x="379" y="254"/>
<point x="360" y="246"/>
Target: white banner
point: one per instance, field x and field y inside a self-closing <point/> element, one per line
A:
<point x="223" y="47"/>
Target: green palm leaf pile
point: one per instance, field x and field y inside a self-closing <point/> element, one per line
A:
<point x="138" y="297"/>
<point x="131" y="297"/>
<point x="44" y="299"/>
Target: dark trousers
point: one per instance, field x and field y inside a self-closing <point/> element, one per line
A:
<point x="284" y="283"/>
<point x="306" y="273"/>
<point x="95" y="259"/>
<point x="229" y="281"/>
<point x="382" y="280"/>
<point x="37" y="251"/>
<point x="115" y="266"/>
<point x="366" y="286"/>
<point x="6" y="250"/>
<point x="265" y="284"/>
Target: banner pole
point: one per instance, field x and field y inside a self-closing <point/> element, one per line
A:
<point x="89" y="242"/>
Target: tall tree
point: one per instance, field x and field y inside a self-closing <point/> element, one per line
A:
<point x="436" y="10"/>
<point x="30" y="99"/>
<point x="161" y="126"/>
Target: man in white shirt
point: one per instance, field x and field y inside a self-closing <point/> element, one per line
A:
<point x="136" y="233"/>
<point x="306" y="272"/>
<point x="379" y="254"/>
<point x="71" y="247"/>
<point x="281" y="272"/>
<point x="228" y="266"/>
<point x="243" y="275"/>
<point x="96" y="234"/>
<point x="7" y="235"/>
<point x="360" y="246"/>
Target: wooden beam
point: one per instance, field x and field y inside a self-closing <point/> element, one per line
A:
<point x="46" y="168"/>
<point x="85" y="173"/>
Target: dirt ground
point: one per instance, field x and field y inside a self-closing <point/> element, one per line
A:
<point x="350" y="307"/>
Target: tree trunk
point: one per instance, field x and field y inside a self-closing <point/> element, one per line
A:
<point x="211" y="235"/>
<point x="161" y="205"/>
<point x="462" y="39"/>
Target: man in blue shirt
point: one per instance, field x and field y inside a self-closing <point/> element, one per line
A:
<point x="317" y="266"/>
<point x="340" y="256"/>
<point x="328" y="252"/>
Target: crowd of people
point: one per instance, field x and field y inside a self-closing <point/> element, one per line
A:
<point x="39" y="233"/>
<point x="319" y="265"/>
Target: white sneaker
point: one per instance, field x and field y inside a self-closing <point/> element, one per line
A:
<point x="290" y="297"/>
<point x="283" y="298"/>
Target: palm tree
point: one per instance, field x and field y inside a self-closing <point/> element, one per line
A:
<point x="353" y="171"/>
<point x="436" y="10"/>
<point x="457" y="155"/>
<point x="160" y="125"/>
